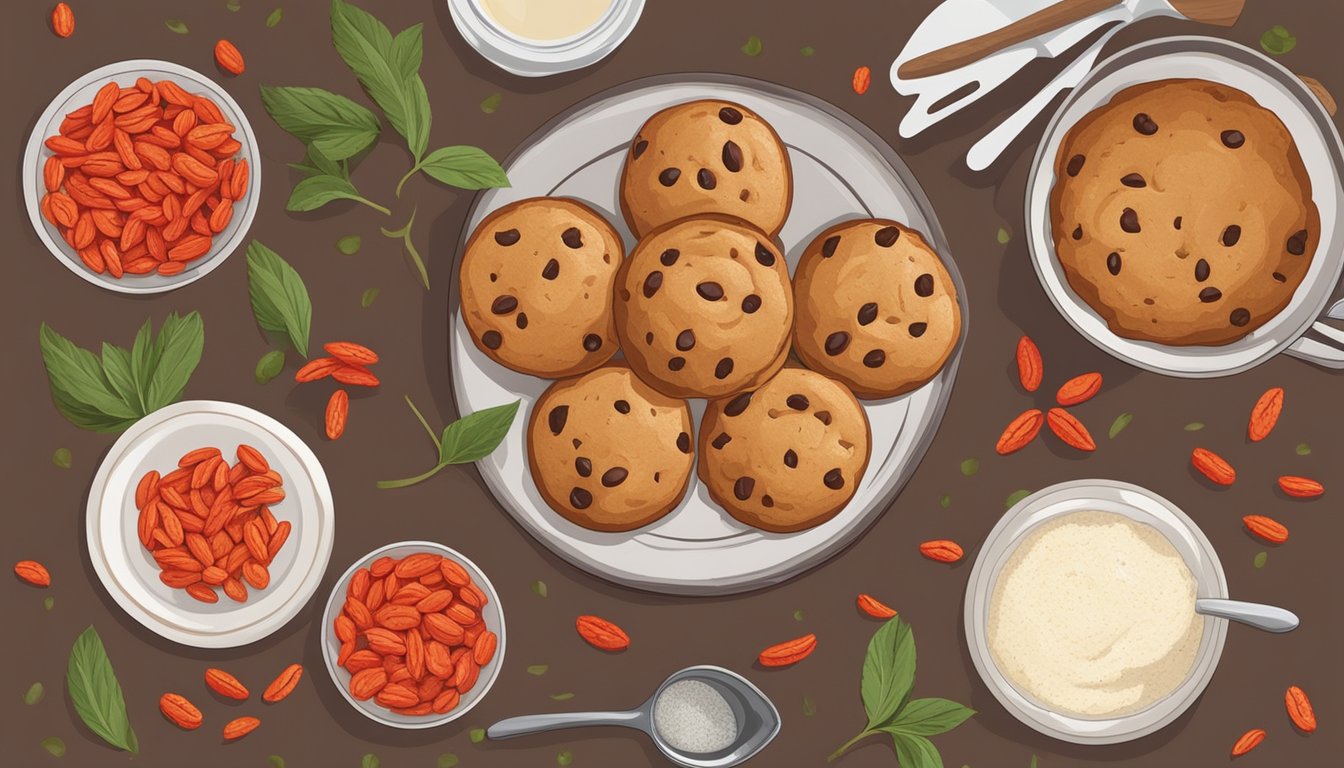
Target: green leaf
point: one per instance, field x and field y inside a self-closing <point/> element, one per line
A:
<point x="476" y="435"/>
<point x="970" y="467"/>
<point x="1260" y="558"/>
<point x="1016" y="496"/>
<point x="888" y="671"/>
<point x="537" y="670"/>
<point x="279" y="298"/>
<point x="48" y="603"/>
<point x="145" y="355"/>
<point x="96" y="694"/>
<point x="808" y="50"/>
<point x="916" y="752"/>
<point x="349" y="245"/>
<point x="447" y="760"/>
<point x="275" y="17"/>
<point x="1033" y="762"/>
<point x="809" y="708"/>
<point x="61" y="458"/>
<point x="1003" y="236"/>
<point x="1278" y="40"/>
<point x="233" y="5"/>
<point x="945" y="501"/>
<point x="316" y="163"/>
<point x="539" y="588"/>
<point x="367" y="298"/>
<point x="564" y="757"/>
<point x="928" y="717"/>
<point x="333" y="124"/>
<point x="54" y="746"/>
<point x="316" y="191"/>
<point x="491" y="103"/>
<point x="562" y="696"/>
<point x="798" y="615"/>
<point x="387" y="68"/>
<point x="1120" y="423"/>
<point x="1302" y="449"/>
<point x="79" y="387"/>
<point x="117" y="368"/>
<point x="270" y="365"/>
<point x="477" y="735"/>
<point x="176" y="25"/>
<point x="34" y="694"/>
<point x="753" y="46"/>
<point x="370" y="761"/>
<point x="1194" y="426"/>
<point x="180" y="342"/>
<point x="465" y="168"/>
<point x="276" y="761"/>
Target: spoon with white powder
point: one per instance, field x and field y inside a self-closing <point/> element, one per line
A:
<point x="700" y="717"/>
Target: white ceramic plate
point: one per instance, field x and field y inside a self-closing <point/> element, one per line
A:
<point x="81" y="92"/>
<point x="331" y="647"/>
<point x="1137" y="504"/>
<point x="1275" y="89"/>
<point x="129" y="572"/>
<point x="841" y="170"/>
<point x="538" y="58"/>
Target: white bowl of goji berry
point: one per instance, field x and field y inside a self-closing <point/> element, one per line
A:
<point x="153" y="195"/>
<point x="425" y="655"/>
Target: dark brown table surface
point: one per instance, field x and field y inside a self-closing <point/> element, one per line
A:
<point x="44" y="505"/>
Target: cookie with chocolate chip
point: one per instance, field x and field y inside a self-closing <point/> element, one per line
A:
<point x="706" y="156"/>
<point x="876" y="308"/>
<point x="608" y="452"/>
<point x="1182" y="213"/>
<point x="703" y="307"/>
<point x="535" y="282"/>
<point x="785" y="456"/>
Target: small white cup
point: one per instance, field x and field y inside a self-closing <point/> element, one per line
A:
<point x="537" y="58"/>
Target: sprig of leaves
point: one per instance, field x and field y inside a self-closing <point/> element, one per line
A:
<point x="325" y="180"/>
<point x="888" y="680"/>
<point x="96" y="694"/>
<point x="404" y="234"/>
<point x="112" y="393"/>
<point x="470" y="438"/>
<point x="279" y="298"/>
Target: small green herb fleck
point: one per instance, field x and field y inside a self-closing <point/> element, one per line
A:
<point x="970" y="467"/>
<point x="808" y="50"/>
<point x="176" y="25"/>
<point x="1194" y="426"/>
<point x="809" y="708"/>
<point x="1003" y="237"/>
<point x="48" y="603"/>
<point x="566" y="696"/>
<point x="447" y="760"/>
<point x="1302" y="449"/>
<point x="1016" y="496"/>
<point x="367" y="298"/>
<point x="753" y="46"/>
<point x="1260" y="558"/>
<point x="564" y="757"/>
<point x="61" y="458"/>
<point x="33" y="694"/>
<point x="276" y="761"/>
<point x="945" y="501"/>
<point x="349" y="245"/>
<point x="370" y="761"/>
<point x="490" y="103"/>
<point x="477" y="735"/>
<point x="1278" y="40"/>
<point x="537" y="669"/>
<point x="1120" y="423"/>
<point x="798" y="615"/>
<point x="539" y="588"/>
<point x="270" y="365"/>
<point x="233" y="5"/>
<point x="54" y="746"/>
<point x="1033" y="761"/>
<point x="271" y="21"/>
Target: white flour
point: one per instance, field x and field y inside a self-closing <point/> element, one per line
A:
<point x="693" y="717"/>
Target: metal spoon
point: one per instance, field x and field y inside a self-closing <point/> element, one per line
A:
<point x="1267" y="617"/>
<point x="757" y="720"/>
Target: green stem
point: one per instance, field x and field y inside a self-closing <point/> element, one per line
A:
<point x="414" y="169"/>
<point x="432" y="437"/>
<point x="845" y="748"/>
<point x="405" y="234"/>
<point x="420" y="478"/>
<point x="373" y="205"/>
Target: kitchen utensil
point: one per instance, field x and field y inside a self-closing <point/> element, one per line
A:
<point x="492" y="612"/>
<point x="757" y="720"/>
<point x="1336" y="311"/>
<point x="1270" y="618"/>
<point x="1277" y="90"/>
<point x="128" y="571"/>
<point x="841" y="170"/>
<point x="538" y="58"/>
<point x="1223" y="13"/>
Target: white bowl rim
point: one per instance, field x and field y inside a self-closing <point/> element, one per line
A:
<point x="537" y="58"/>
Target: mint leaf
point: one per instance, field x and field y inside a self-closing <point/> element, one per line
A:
<point x="465" y="168"/>
<point x="1119" y="424"/>
<point x="888" y="671"/>
<point x="1277" y="40"/>
<point x="316" y="191"/>
<point x="96" y="694"/>
<point x="279" y="298"/>
<point x="54" y="746"/>
<point x="333" y="124"/>
<point x="916" y="752"/>
<point x="275" y="17"/>
<point x="180" y="343"/>
<point x="367" y="298"/>
<point x="61" y="458"/>
<point x="34" y="694"/>
<point x="270" y="365"/>
<point x="81" y="392"/>
<point x="928" y="717"/>
<point x="477" y="435"/>
<point x="387" y="68"/>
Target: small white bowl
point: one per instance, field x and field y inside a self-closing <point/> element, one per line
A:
<point x="81" y="92"/>
<point x="537" y="58"/>
<point x="493" y="613"/>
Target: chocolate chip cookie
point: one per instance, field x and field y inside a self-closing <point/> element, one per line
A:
<point x="703" y="307"/>
<point x="536" y="282"/>
<point x="788" y="455"/>
<point x="706" y="157"/>
<point x="608" y="452"/>
<point x="1182" y="213"/>
<point x="876" y="308"/>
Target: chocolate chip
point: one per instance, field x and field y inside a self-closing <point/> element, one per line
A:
<point x="766" y="501"/>
<point x="493" y="277"/>
<point x="1297" y="244"/>
<point x="579" y="498"/>
<point x="751" y="304"/>
<point x="1239" y="317"/>
<point x="557" y="418"/>
<point x="648" y="337"/>
<point x="1144" y="124"/>
<point x="828" y="247"/>
<point x="1075" y="164"/>
<point x="686" y="340"/>
<point x="1279" y="277"/>
<point x="507" y="237"/>
<point x="790" y="459"/>
<point x="918" y="329"/>
<point x="684" y="442"/>
<point x="744" y="195"/>
<point x="705" y="178"/>
<point x="724" y="368"/>
<point x="1233" y="139"/>
<point x="521" y="320"/>
<point x="1078" y="232"/>
<point x="676" y="364"/>
<point x="730" y="116"/>
<point x="503" y="305"/>
<point x="732" y="156"/>
<point x="551" y="270"/>
<point x="743" y="487"/>
<point x="834" y="480"/>
<point x="592" y="342"/>
<point x="1210" y="295"/>
<point x="887" y="236"/>
<point x="797" y="402"/>
<point x="737" y="405"/>
<point x="669" y="257"/>
<point x="640" y="146"/>
<point x="836" y="343"/>
<point x="824" y="417"/>
<point x="583" y="466"/>
<point x="614" y="477"/>
<point x="709" y="291"/>
<point x="492" y="339"/>
<point x="924" y="285"/>
<point x="1201" y="270"/>
<point x="621" y="406"/>
<point x="652" y="283"/>
<point x="1231" y="235"/>
<point x="867" y="313"/>
<point x="875" y="358"/>
<point x="1129" y="220"/>
<point x="1177" y="222"/>
<point x="720" y="441"/>
<point x="1113" y="263"/>
<point x="1133" y="180"/>
<point x="572" y="237"/>
<point x="669" y="176"/>
<point x="764" y="256"/>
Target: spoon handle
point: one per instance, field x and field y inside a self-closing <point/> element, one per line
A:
<point x="519" y="726"/>
<point x="1267" y="617"/>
